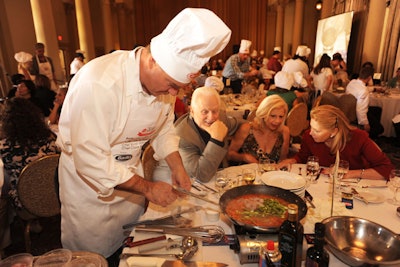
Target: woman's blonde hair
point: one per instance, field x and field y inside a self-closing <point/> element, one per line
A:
<point x="265" y="108"/>
<point x="329" y="118"/>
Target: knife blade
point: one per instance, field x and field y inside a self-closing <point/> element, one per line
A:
<point x="358" y="196"/>
<point x="309" y="198"/>
<point x="137" y="261"/>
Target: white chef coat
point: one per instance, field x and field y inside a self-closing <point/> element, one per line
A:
<point x="76" y="65"/>
<point x="357" y="88"/>
<point x="295" y="65"/>
<point x="105" y="119"/>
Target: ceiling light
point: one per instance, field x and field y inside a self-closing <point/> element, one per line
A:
<point x="318" y="5"/>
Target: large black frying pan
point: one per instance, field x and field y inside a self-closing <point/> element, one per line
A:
<point x="265" y="190"/>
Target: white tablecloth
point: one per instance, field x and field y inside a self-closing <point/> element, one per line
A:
<point x="390" y="107"/>
<point x="382" y="213"/>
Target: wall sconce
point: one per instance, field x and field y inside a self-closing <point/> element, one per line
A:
<point x="318" y="5"/>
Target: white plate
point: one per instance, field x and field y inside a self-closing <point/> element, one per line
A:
<point x="371" y="197"/>
<point x="282" y="179"/>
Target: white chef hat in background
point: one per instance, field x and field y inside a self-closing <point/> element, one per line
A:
<point x="23" y="57"/>
<point x="284" y="80"/>
<point x="245" y="46"/>
<point x="215" y="83"/>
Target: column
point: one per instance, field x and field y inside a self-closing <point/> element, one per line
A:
<point x="107" y="26"/>
<point x="46" y="33"/>
<point x="298" y="24"/>
<point x="279" y="25"/>
<point x="85" y="30"/>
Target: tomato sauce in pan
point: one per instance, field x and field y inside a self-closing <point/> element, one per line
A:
<point x="258" y="210"/>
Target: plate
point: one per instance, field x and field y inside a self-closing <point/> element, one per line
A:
<point x="284" y="180"/>
<point x="371" y="197"/>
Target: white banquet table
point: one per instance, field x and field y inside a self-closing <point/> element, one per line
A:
<point x="390" y="105"/>
<point x="382" y="213"/>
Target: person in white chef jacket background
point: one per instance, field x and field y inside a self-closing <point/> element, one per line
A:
<point x="115" y="104"/>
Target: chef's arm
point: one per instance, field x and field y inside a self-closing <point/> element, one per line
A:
<point x="159" y="193"/>
<point x="179" y="176"/>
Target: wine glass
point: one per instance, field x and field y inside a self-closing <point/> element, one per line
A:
<point x="343" y="168"/>
<point x="248" y="176"/>
<point x="394" y="179"/>
<point x="312" y="169"/>
<point x="266" y="165"/>
<point x="221" y="181"/>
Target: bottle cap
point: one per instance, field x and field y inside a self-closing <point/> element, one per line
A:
<point x="270" y="245"/>
<point x="292" y="209"/>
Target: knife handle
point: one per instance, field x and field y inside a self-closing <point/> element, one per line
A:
<point x="144" y="261"/>
<point x="147" y="241"/>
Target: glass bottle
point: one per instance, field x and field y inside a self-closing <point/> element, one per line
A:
<point x="291" y="238"/>
<point x="317" y="256"/>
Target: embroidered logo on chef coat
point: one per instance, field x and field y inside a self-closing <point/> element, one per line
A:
<point x="147" y="131"/>
<point x="123" y="157"/>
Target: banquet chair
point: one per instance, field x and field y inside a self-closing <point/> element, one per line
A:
<point x="347" y="104"/>
<point x="38" y="192"/>
<point x="297" y="122"/>
<point x="148" y="162"/>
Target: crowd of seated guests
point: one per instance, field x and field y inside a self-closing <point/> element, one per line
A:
<point x="25" y="137"/>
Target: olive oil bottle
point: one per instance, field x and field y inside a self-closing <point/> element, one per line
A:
<point x="317" y="256"/>
<point x="290" y="239"/>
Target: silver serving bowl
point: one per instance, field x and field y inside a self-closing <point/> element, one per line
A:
<point x="359" y="242"/>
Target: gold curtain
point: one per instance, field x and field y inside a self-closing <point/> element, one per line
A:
<point x="247" y="20"/>
<point x="392" y="41"/>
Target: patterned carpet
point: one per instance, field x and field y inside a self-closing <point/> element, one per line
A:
<point x="49" y="237"/>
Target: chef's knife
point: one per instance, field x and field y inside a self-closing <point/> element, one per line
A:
<point x="136" y="261"/>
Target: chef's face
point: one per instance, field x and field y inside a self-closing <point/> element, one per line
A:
<point x="206" y="111"/>
<point x="161" y="83"/>
<point x="318" y="133"/>
<point x="22" y="91"/>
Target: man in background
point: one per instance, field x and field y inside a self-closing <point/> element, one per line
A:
<point x="237" y="68"/>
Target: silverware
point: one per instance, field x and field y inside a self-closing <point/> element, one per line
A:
<point x="153" y="261"/>
<point x="207" y="233"/>
<point x="309" y="199"/>
<point x="206" y="186"/>
<point x="358" y="196"/>
<point x="374" y="186"/>
<point x="183" y="191"/>
<point x="170" y="219"/>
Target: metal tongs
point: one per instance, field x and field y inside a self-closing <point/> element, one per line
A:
<point x="174" y="219"/>
<point x="207" y="233"/>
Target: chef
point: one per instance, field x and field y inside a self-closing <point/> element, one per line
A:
<point x="114" y="105"/>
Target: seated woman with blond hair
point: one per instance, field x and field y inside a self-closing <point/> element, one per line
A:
<point x="265" y="137"/>
<point x="331" y="133"/>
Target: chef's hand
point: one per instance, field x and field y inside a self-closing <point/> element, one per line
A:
<point x="161" y="193"/>
<point x="179" y="176"/>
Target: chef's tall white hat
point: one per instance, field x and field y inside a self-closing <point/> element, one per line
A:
<point x="284" y="80"/>
<point x="188" y="42"/>
<point x="245" y="46"/>
<point x="303" y="51"/>
<point x="23" y="57"/>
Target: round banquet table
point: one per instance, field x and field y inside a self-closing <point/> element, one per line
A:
<point x="382" y="213"/>
<point x="390" y="105"/>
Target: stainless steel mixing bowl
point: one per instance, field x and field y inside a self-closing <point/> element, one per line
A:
<point x="359" y="242"/>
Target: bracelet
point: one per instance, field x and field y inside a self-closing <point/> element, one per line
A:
<point x="362" y="173"/>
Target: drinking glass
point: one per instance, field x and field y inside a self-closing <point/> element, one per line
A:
<point x="266" y="165"/>
<point x="248" y="176"/>
<point x="343" y="168"/>
<point x="21" y="259"/>
<point x="312" y="169"/>
<point x="394" y="179"/>
<point x="54" y="258"/>
<point x="221" y="181"/>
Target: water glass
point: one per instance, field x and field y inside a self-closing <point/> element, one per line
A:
<point x="54" y="258"/>
<point x="248" y="176"/>
<point x="20" y="260"/>
<point x="221" y="181"/>
<point x="312" y="169"/>
<point x="394" y="180"/>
